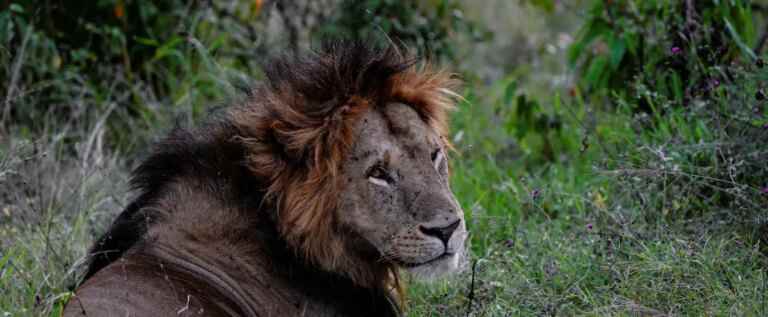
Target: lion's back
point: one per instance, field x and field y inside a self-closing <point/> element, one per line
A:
<point x="131" y="287"/>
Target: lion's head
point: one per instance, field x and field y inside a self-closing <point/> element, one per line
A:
<point x="351" y="144"/>
<point x="395" y="194"/>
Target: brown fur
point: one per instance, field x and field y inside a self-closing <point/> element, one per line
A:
<point x="270" y="166"/>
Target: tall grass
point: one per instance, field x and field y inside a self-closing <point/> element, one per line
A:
<point x="57" y="199"/>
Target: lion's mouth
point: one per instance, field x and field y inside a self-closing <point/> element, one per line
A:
<point x="438" y="258"/>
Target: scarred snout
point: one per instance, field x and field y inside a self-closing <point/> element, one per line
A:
<point x="434" y="246"/>
<point x="440" y="231"/>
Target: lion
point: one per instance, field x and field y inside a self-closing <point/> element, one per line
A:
<point x="308" y="198"/>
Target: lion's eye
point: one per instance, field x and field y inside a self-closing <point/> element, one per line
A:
<point x="378" y="175"/>
<point x="437" y="158"/>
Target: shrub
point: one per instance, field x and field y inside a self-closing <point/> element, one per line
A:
<point x="145" y="56"/>
<point x="686" y="76"/>
<point x="677" y="47"/>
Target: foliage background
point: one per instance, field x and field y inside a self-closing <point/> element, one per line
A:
<point x="611" y="155"/>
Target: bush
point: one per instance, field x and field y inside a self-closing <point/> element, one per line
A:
<point x="687" y="75"/>
<point x="426" y="26"/>
<point x="147" y="55"/>
<point x="677" y="47"/>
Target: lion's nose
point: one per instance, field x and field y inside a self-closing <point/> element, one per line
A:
<point x="442" y="233"/>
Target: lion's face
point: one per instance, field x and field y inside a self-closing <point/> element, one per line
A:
<point x="396" y="195"/>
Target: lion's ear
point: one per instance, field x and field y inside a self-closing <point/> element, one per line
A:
<point x="264" y="159"/>
<point x="265" y="154"/>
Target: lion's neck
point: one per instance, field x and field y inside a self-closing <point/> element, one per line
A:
<point x="244" y="258"/>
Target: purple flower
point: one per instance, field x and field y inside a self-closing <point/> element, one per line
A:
<point x="535" y="194"/>
<point x="676" y="50"/>
<point x="589" y="226"/>
<point x="765" y="126"/>
<point x="764" y="190"/>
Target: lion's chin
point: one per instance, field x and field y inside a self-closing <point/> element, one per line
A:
<point x="437" y="268"/>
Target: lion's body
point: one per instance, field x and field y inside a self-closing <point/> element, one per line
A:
<point x="254" y="276"/>
<point x="268" y="209"/>
<point x="147" y="286"/>
<point x="215" y="260"/>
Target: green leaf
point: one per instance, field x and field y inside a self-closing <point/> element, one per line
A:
<point x="677" y="87"/>
<point x="596" y="71"/>
<point x="547" y="5"/>
<point x="746" y="24"/>
<point x="524" y="115"/>
<point x="509" y="92"/>
<point x="632" y="41"/>
<point x="169" y="48"/>
<point x="146" y="41"/>
<point x="594" y="29"/>
<point x="15" y="7"/>
<point x="739" y="42"/>
<point x="5" y="259"/>
<point x="617" y="47"/>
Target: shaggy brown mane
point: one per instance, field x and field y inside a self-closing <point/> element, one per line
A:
<point x="282" y="149"/>
<point x="299" y="133"/>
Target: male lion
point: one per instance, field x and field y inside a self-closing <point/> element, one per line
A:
<point x="306" y="199"/>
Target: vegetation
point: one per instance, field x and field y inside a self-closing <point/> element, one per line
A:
<point x="619" y="171"/>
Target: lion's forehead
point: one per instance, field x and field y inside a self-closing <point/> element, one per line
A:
<point x="396" y="130"/>
<point x="404" y="120"/>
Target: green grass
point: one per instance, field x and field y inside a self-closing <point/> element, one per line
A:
<point x="602" y="211"/>
<point x="650" y="222"/>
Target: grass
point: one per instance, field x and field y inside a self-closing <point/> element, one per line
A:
<point x="621" y="228"/>
<point x="602" y="211"/>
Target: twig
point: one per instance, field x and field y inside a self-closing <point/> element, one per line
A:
<point x="765" y="283"/>
<point x="761" y="42"/>
<point x="291" y="29"/>
<point x="185" y="308"/>
<point x="16" y="71"/>
<point x="764" y="37"/>
<point x="471" y="295"/>
<point x="690" y="20"/>
<point x="82" y="308"/>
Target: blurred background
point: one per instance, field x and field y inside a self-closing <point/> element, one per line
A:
<point x="611" y="155"/>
